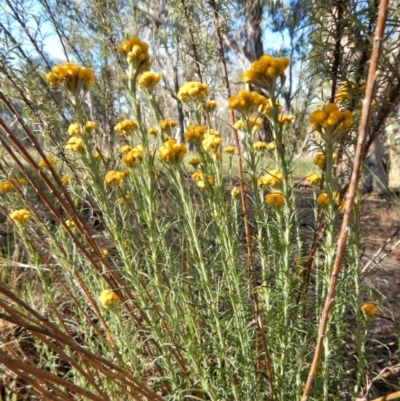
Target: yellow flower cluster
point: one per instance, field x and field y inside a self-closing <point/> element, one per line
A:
<point x="199" y="178"/>
<point x="75" y="144"/>
<point x="195" y="161"/>
<point x="211" y="105"/>
<point x="235" y="192"/>
<point x="167" y="124"/>
<point x="70" y="223"/>
<point x="230" y="150"/>
<point x="136" y="54"/>
<point x="172" y="152"/>
<point x="254" y="123"/>
<point x="212" y="141"/>
<point x="73" y="130"/>
<point x="285" y="119"/>
<point x="369" y="309"/>
<point x="272" y="178"/>
<point x="275" y="199"/>
<point x="319" y="160"/>
<point x="115" y="177"/>
<point x="65" y="178"/>
<point x="124" y="198"/>
<point x="330" y="118"/>
<point x="148" y="81"/>
<point x="133" y="156"/>
<point x="246" y="103"/>
<point x="98" y="155"/>
<point x="50" y="162"/>
<point x="194" y="133"/>
<point x="192" y="92"/>
<point x="323" y="200"/>
<point x="20" y="216"/>
<point x="314" y="178"/>
<point x="342" y="94"/>
<point x="108" y="299"/>
<point x="126" y="127"/>
<point x="71" y="76"/>
<point x="12" y="184"/>
<point x="258" y="146"/>
<point x="125" y="149"/>
<point x="266" y="70"/>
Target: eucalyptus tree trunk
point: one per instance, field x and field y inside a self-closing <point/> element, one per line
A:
<point x="375" y="178"/>
<point x="253" y="48"/>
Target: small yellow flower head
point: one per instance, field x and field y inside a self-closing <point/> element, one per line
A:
<point x="114" y="177"/>
<point x="235" y="192"/>
<point x="148" y="81"/>
<point x="73" y="130"/>
<point x="285" y="119"/>
<point x="322" y="199"/>
<point x="246" y="103"/>
<point x="104" y="251"/>
<point x="192" y="92"/>
<point x="275" y="199"/>
<point x="199" y="178"/>
<point x="330" y="118"/>
<point x="125" y="197"/>
<point x="195" y="161"/>
<point x="12" y="184"/>
<point x="172" y="152"/>
<point x="65" y="178"/>
<point x="369" y="309"/>
<point x="259" y="146"/>
<point x="314" y="178"/>
<point x="71" y="77"/>
<point x="195" y="134"/>
<point x="6" y="186"/>
<point x="136" y="54"/>
<point x="50" y="162"/>
<point x="253" y="124"/>
<point x="342" y="94"/>
<point x="265" y="71"/>
<point x="211" y="105"/>
<point x="126" y="127"/>
<point x="152" y="131"/>
<point x="20" y="216"/>
<point x="230" y="150"/>
<point x="70" y="223"/>
<point x="212" y="141"/>
<point x="272" y="178"/>
<point x="97" y="155"/>
<point x="319" y="160"/>
<point x="134" y="156"/>
<point x="125" y="149"/>
<point x="75" y="144"/>
<point x="90" y="126"/>
<point x="239" y="125"/>
<point x="108" y="299"/>
<point x="167" y="125"/>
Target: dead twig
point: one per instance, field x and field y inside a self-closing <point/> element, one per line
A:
<point x="354" y="180"/>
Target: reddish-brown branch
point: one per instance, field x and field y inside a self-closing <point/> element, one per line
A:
<point x="354" y="180"/>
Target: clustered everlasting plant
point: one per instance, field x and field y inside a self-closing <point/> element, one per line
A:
<point x="174" y="297"/>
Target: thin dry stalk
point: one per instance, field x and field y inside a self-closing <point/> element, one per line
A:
<point x="392" y="396"/>
<point x="256" y="306"/>
<point x="355" y="176"/>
